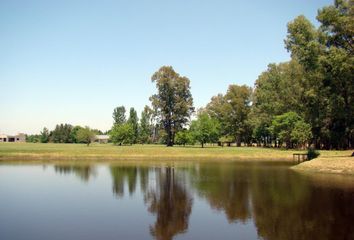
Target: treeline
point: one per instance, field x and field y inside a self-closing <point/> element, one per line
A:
<point x="317" y="84"/>
<point x="131" y="130"/>
<point x="308" y="100"/>
<point x="65" y="133"/>
<point x="305" y="101"/>
<point x="149" y="129"/>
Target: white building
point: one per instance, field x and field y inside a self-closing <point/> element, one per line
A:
<point x="21" y="137"/>
<point x="102" y="138"/>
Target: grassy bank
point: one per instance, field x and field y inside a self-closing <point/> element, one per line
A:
<point x="338" y="162"/>
<point x="329" y="162"/>
<point x="104" y="152"/>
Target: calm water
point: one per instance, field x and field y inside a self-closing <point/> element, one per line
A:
<point x="188" y="201"/>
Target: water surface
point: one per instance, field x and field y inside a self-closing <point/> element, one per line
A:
<point x="182" y="201"/>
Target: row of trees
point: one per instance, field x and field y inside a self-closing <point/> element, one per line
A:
<point x="306" y="100"/>
<point x="317" y="83"/>
<point x="264" y="115"/>
<point x="131" y="131"/>
<point x="65" y="133"/>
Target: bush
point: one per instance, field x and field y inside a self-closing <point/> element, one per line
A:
<point x="312" y="153"/>
<point x="184" y="137"/>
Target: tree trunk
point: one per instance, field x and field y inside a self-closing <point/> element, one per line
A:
<point x="202" y="145"/>
<point x="169" y="138"/>
<point x="238" y="141"/>
<point x="169" y="134"/>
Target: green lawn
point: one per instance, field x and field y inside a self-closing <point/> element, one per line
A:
<point x="104" y="152"/>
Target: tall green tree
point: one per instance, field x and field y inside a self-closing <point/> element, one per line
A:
<point x="232" y="110"/>
<point x="73" y="134"/>
<point x="216" y="108"/>
<point x="303" y="43"/>
<point x="301" y="133"/>
<point x="173" y="102"/>
<point x="145" y="127"/>
<point x="205" y="129"/>
<point x="33" y="138"/>
<point x="337" y="66"/>
<point x="238" y="106"/>
<point x="337" y="24"/>
<point x="61" y="133"/>
<point x="119" y="115"/>
<point x="184" y="137"/>
<point x="122" y="134"/>
<point x="283" y="125"/>
<point x="134" y="122"/>
<point x="85" y="135"/>
<point x="44" y="135"/>
<point x="326" y="54"/>
<point x="277" y="90"/>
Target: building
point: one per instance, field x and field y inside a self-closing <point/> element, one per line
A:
<point x="21" y="137"/>
<point x="101" y="138"/>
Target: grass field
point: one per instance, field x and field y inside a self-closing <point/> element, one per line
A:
<point x="37" y="151"/>
<point x="103" y="152"/>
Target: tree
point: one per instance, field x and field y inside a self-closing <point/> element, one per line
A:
<point x="173" y="102"/>
<point x="122" y="134"/>
<point x="171" y="203"/>
<point x="73" y="134"/>
<point x="44" y="138"/>
<point x="145" y="128"/>
<point x="33" y="138"/>
<point x="238" y="105"/>
<point x="205" y="129"/>
<point x="326" y="54"/>
<point x="260" y="123"/>
<point x="216" y="108"/>
<point x="232" y="110"/>
<point x="119" y="115"/>
<point x="277" y="90"/>
<point x="184" y="137"/>
<point x="301" y="133"/>
<point x="133" y="121"/>
<point x="337" y="24"/>
<point x="61" y="133"/>
<point x="85" y="135"/>
<point x="283" y="125"/>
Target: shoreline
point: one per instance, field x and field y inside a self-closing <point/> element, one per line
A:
<point x="329" y="162"/>
<point x="341" y="165"/>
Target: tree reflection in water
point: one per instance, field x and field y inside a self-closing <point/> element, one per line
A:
<point x="84" y="172"/>
<point x="284" y="205"/>
<point x="225" y="189"/>
<point x="165" y="194"/>
<point x="120" y="176"/>
<point x="281" y="203"/>
<point x="130" y="176"/>
<point x="171" y="203"/>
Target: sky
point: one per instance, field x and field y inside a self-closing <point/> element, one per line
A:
<point x="75" y="61"/>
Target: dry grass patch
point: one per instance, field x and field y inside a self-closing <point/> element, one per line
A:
<point x="338" y="162"/>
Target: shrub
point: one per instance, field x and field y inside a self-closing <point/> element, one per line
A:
<point x="312" y="153"/>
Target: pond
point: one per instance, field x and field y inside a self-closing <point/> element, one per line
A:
<point x="192" y="200"/>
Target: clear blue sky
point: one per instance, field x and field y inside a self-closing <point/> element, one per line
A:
<point x="74" y="61"/>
